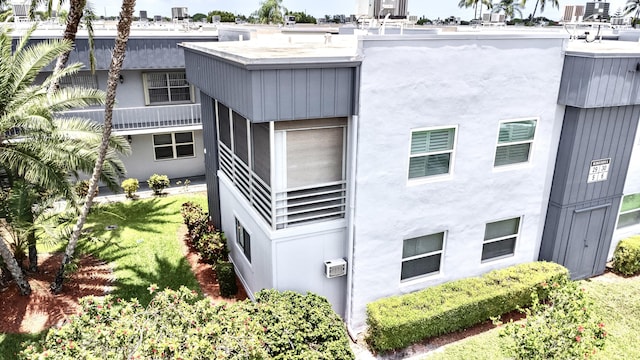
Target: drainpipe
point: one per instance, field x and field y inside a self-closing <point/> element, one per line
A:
<point x="351" y="227"/>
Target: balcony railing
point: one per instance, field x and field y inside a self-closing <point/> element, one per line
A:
<point x="147" y="117"/>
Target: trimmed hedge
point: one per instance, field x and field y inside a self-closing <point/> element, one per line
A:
<point x="205" y="238"/>
<point x="399" y="321"/>
<point x="180" y="324"/>
<point x="226" y="278"/>
<point x="626" y="258"/>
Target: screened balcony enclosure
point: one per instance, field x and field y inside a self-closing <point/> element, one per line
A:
<point x="291" y="172"/>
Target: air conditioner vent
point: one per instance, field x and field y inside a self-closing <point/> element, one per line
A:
<point x="335" y="268"/>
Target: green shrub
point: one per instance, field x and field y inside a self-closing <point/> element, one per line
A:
<point x="226" y="278"/>
<point x="212" y="245"/>
<point x="399" y="321"/>
<point x="193" y="215"/>
<point x="157" y="183"/>
<point x="626" y="257"/>
<point x="563" y="327"/>
<point x="180" y="324"/>
<point x="130" y="186"/>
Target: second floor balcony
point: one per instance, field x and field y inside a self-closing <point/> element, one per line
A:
<point x="147" y="117"/>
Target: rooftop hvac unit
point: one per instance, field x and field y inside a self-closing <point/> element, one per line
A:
<point x="335" y="268"/>
<point x="388" y="4"/>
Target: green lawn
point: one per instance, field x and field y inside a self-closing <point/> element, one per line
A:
<point x="617" y="303"/>
<point x="143" y="250"/>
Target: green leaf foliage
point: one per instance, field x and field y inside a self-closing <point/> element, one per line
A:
<point x="179" y="324"/>
<point x="626" y="258"/>
<point x="226" y="278"/>
<point x="130" y="186"/>
<point x="157" y="183"/>
<point x="203" y="235"/>
<point x="399" y="321"/>
<point x="562" y="328"/>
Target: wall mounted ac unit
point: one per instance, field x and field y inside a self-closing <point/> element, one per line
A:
<point x="335" y="268"/>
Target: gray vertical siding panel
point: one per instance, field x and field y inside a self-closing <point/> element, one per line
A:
<point x="589" y="82"/>
<point x="328" y="104"/>
<point x="286" y="95"/>
<point x="301" y="98"/>
<point x="314" y="87"/>
<point x="565" y="151"/>
<point x="209" y="134"/>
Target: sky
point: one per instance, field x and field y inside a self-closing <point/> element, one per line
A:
<point x="432" y="9"/>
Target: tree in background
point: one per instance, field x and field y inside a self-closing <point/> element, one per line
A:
<point x="302" y="17"/>
<point x="477" y="6"/>
<point x="198" y="17"/>
<point x="541" y="3"/>
<point x="632" y="6"/>
<point x="225" y="16"/>
<point x="510" y="8"/>
<point x="270" y="12"/>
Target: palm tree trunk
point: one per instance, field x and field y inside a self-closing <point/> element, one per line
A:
<point x="33" y="251"/>
<point x="13" y="267"/>
<point x="124" y="27"/>
<point x="76" y="8"/>
<point x="534" y="12"/>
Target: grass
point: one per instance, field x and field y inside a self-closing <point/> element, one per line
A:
<point x="143" y="246"/>
<point x="617" y="303"/>
<point x="143" y="250"/>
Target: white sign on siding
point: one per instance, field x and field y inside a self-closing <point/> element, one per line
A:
<point x="599" y="170"/>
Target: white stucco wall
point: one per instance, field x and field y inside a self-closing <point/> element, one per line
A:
<point x="472" y="83"/>
<point x="141" y="164"/>
<point x="288" y="259"/>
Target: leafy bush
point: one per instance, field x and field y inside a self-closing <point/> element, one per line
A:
<point x="179" y="324"/>
<point x="193" y="215"/>
<point x="626" y="258"/>
<point x="157" y="183"/>
<point x="398" y="321"/>
<point x="82" y="189"/>
<point x="130" y="186"/>
<point x="564" y="327"/>
<point x="226" y="278"/>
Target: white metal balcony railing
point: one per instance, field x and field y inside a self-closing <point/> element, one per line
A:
<point x="292" y="207"/>
<point x="144" y="117"/>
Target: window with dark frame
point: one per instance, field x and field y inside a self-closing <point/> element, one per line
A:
<point x="422" y="256"/>
<point x="167" y="88"/>
<point x="500" y="238"/>
<point x="243" y="239"/>
<point x="173" y="145"/>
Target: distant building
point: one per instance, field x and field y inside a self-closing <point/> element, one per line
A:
<point x="179" y="13"/>
<point x="143" y="15"/>
<point x="597" y="11"/>
<point x="380" y="8"/>
<point x="572" y="13"/>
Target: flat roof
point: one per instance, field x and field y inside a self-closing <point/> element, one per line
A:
<point x="283" y="49"/>
<point x="604" y="48"/>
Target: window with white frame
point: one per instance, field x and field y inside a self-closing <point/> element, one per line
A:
<point x="80" y="80"/>
<point x="500" y="238"/>
<point x="431" y="152"/>
<point x="173" y="145"/>
<point x="422" y="256"/>
<point x="629" y="211"/>
<point x="167" y="88"/>
<point x="243" y="239"/>
<point x="515" y="139"/>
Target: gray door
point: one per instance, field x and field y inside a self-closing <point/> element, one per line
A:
<point x="584" y="238"/>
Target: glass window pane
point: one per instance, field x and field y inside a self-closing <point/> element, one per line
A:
<point x="184" y="150"/>
<point x="156" y="80"/>
<point x="178" y="79"/>
<point x="185" y="137"/>
<point x="432" y="140"/>
<point x="501" y="228"/>
<point x="429" y="165"/>
<point x="512" y="154"/>
<point x="422" y="245"/>
<point x="224" y="126"/>
<point x="261" y="151"/>
<point x="517" y="131"/>
<point x="162" y="139"/>
<point x="422" y="266"/>
<point x="164" y="152"/>
<point x="240" y="143"/>
<point x="629" y="219"/>
<point x="180" y="94"/>
<point x="158" y="95"/>
<point x="630" y="202"/>
<point x="498" y="248"/>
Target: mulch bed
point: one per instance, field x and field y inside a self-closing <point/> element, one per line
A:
<point x="42" y="309"/>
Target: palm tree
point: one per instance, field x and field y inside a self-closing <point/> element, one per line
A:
<point x="37" y="148"/>
<point x="476" y="4"/>
<point x="117" y="58"/>
<point x="270" y="11"/>
<point x="542" y="3"/>
<point x="631" y="6"/>
<point x="510" y="7"/>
